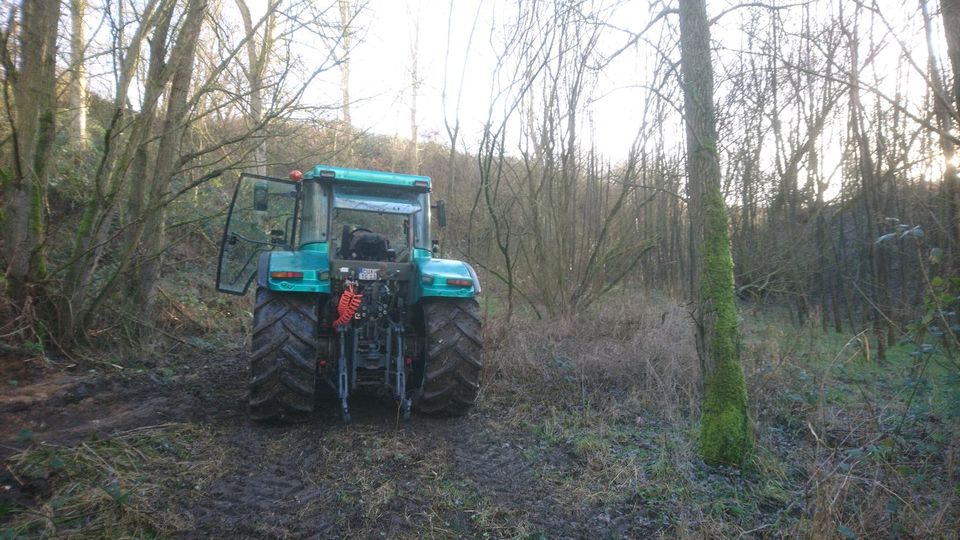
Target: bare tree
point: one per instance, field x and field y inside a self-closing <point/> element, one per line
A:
<point x="170" y="147"/>
<point x="452" y="125"/>
<point x="151" y="222"/>
<point x="414" y="93"/>
<point x="558" y="200"/>
<point x="346" y="44"/>
<point x="258" y="57"/>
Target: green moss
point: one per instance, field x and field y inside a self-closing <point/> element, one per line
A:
<point x="38" y="263"/>
<point x="86" y="224"/>
<point x="725" y="436"/>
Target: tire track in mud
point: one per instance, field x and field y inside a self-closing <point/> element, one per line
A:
<point x="64" y="406"/>
<point x="264" y="495"/>
<point x="496" y="465"/>
<point x="321" y="484"/>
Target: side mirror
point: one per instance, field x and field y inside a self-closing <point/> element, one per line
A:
<point x="441" y="213"/>
<point x="435" y="248"/>
<point x="260" y="192"/>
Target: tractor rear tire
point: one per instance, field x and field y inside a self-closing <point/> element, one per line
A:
<point x="454" y="351"/>
<point x="283" y="364"/>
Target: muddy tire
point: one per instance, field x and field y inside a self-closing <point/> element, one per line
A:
<point x="451" y="378"/>
<point x="283" y="365"/>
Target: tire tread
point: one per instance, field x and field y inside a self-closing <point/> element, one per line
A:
<point x="283" y="361"/>
<point x="454" y="361"/>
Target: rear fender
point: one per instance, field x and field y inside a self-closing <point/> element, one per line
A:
<point x="433" y="276"/>
<point x="314" y="265"/>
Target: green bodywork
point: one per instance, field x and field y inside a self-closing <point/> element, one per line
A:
<point x="315" y="265"/>
<point x="394" y="193"/>
<point x="432" y="276"/>
<point x="366" y="177"/>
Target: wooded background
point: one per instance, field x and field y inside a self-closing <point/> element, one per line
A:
<point x="125" y="123"/>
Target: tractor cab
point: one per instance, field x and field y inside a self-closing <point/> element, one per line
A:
<point x="326" y="214"/>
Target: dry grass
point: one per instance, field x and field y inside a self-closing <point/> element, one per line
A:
<point x="116" y="487"/>
<point x="635" y="352"/>
<point x="617" y="393"/>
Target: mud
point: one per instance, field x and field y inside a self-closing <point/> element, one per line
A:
<point x="376" y="477"/>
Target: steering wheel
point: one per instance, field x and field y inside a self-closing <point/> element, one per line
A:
<point x="360" y="229"/>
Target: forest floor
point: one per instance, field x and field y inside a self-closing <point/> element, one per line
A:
<point x="572" y="438"/>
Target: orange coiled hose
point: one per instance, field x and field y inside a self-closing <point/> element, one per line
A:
<point x="347" y="307"/>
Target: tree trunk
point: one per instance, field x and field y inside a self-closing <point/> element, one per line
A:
<point x="725" y="433"/>
<point x="33" y="130"/>
<point x="121" y="141"/>
<point x="950" y="11"/>
<point x="150" y="252"/>
<point x="346" y="21"/>
<point x="78" y="78"/>
<point x="414" y="91"/>
<point x="870" y="196"/>
<point x="951" y="181"/>
<point x="257" y="60"/>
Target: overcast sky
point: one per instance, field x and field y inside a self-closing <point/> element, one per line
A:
<point x="381" y="70"/>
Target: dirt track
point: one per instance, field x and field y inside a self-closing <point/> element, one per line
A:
<point x="375" y="477"/>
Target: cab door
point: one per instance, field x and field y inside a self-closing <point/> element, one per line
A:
<point x="262" y="217"/>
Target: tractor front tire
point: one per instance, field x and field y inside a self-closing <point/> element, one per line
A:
<point x="283" y="365"/>
<point x="454" y="349"/>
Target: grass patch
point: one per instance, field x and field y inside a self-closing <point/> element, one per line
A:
<point x="113" y="487"/>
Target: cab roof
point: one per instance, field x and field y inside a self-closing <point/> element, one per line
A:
<point x="362" y="176"/>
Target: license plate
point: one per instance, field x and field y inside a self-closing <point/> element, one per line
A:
<point x="367" y="273"/>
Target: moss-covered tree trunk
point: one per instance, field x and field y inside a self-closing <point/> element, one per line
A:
<point x="33" y="123"/>
<point x="725" y="433"/>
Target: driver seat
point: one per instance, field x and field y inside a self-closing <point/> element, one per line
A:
<point x="369" y="246"/>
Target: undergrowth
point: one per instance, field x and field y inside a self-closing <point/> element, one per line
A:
<point x="846" y="447"/>
<point x="113" y="487"/>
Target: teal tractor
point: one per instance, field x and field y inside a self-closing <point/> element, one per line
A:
<point x="350" y="294"/>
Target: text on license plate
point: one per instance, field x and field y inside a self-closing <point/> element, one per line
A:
<point x="367" y="273"/>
